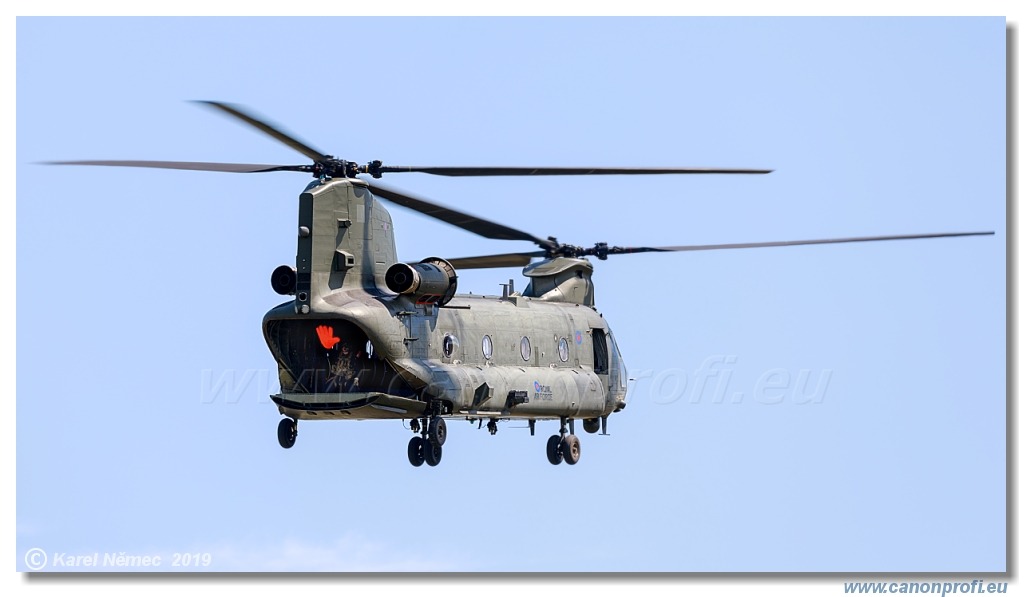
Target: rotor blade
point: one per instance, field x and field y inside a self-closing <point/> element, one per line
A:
<point x="525" y="171"/>
<point x="206" y="166"/>
<point x="474" y="224"/>
<point x="486" y="261"/>
<point x="269" y="129"/>
<point x="788" y="243"/>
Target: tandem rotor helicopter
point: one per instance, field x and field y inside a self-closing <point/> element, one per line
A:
<point x="367" y="336"/>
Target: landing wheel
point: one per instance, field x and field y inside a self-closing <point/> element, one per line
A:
<point x="432" y="453"/>
<point x="438" y="432"/>
<point x="286" y="432"/>
<point x="571" y="449"/>
<point x="416" y="452"/>
<point x="555" y="449"/>
<point x="591" y="425"/>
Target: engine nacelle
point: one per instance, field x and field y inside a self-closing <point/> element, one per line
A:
<point x="431" y="281"/>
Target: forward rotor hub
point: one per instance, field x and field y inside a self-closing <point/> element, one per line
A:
<point x="599" y="250"/>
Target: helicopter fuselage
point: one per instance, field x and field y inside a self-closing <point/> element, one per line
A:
<point x="347" y="348"/>
<point x="479" y="356"/>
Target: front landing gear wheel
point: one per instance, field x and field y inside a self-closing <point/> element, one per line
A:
<point x="432" y="453"/>
<point x="417" y="453"/>
<point x="571" y="449"/>
<point x="438" y="431"/>
<point x="286" y="432"/>
<point x="555" y="449"/>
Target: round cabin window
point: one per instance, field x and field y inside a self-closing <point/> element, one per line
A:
<point x="487" y="346"/>
<point x="448" y="344"/>
<point x="563" y="349"/>
<point x="524" y="348"/>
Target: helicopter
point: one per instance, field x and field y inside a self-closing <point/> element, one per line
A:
<point x="366" y="336"/>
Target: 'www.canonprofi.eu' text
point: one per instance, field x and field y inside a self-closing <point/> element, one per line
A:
<point x="974" y="587"/>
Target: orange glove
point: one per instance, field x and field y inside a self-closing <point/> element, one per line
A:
<point x="327" y="337"/>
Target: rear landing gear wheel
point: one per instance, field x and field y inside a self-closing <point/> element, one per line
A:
<point x="555" y="449"/>
<point x="287" y="429"/>
<point x="432" y="453"/>
<point x="571" y="449"/>
<point x="591" y="425"/>
<point x="417" y="453"/>
<point x="438" y="431"/>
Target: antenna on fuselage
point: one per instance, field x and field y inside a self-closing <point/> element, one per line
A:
<point x="508" y="290"/>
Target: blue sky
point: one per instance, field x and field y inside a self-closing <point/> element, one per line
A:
<point x="140" y="291"/>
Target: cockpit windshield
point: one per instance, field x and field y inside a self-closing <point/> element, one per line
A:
<point x="618" y="365"/>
